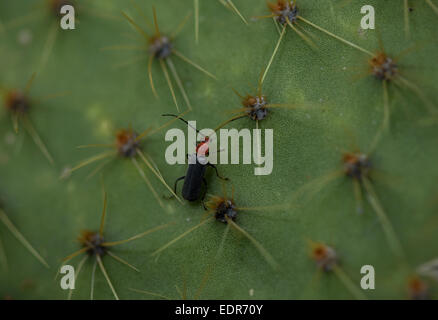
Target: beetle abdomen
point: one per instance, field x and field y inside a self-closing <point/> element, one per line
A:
<point x="193" y="182"/>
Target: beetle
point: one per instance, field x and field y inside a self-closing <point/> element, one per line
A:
<point x="195" y="175"/>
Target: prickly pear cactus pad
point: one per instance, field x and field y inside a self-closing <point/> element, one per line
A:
<point x="84" y="180"/>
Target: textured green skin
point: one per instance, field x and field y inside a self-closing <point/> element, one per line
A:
<point x="51" y="212"/>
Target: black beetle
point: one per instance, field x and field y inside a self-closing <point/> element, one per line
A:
<point x="195" y="175"/>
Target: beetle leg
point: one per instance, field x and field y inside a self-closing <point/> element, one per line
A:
<point x="176" y="183"/>
<point x="217" y="173"/>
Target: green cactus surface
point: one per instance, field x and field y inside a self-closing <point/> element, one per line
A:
<point x="93" y="81"/>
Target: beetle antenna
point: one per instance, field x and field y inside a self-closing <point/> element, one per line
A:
<point x="178" y="117"/>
